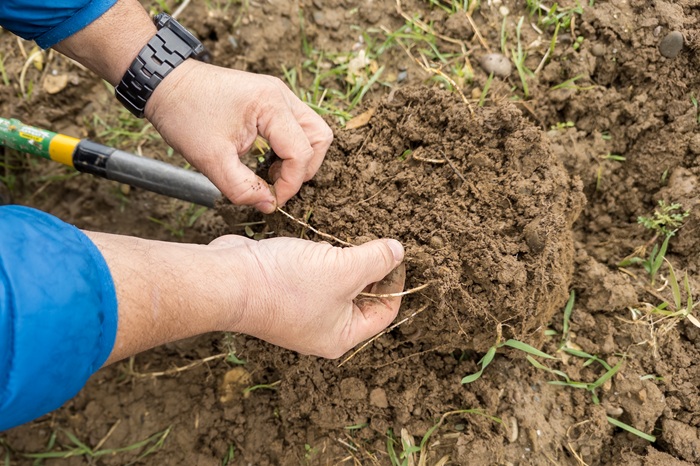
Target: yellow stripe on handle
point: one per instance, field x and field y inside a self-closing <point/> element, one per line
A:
<point x="61" y="149"/>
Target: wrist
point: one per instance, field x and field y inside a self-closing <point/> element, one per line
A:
<point x="110" y="44"/>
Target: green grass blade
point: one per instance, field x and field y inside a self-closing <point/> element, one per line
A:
<point x="485" y="361"/>
<point x="607" y="376"/>
<point x="519" y="345"/>
<point x="568" y="309"/>
<point x="675" y="288"/>
<point x="631" y="429"/>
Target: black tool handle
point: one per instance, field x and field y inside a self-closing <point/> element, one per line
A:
<point x="145" y="173"/>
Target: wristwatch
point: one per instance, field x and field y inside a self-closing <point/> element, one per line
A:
<point x="170" y="47"/>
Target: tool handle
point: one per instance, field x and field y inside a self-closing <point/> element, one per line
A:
<point x="142" y="172"/>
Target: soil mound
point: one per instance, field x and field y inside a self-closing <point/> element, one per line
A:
<point x="480" y="202"/>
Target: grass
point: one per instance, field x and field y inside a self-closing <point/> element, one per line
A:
<point x="664" y="222"/>
<point x="407" y="455"/>
<point x="74" y="447"/>
<point x="180" y="221"/>
<point x="519" y="56"/>
<point x="563" y="378"/>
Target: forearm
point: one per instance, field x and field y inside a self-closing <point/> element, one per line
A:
<point x="167" y="291"/>
<point x="110" y="44"/>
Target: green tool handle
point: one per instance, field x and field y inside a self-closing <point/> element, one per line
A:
<point x="145" y="173"/>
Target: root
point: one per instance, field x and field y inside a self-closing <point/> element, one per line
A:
<point x="319" y="233"/>
<point x="371" y="340"/>
<point x="396" y="295"/>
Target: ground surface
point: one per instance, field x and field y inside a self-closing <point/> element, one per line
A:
<point x="503" y="209"/>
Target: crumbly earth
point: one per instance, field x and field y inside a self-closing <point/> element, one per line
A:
<point x="502" y="212"/>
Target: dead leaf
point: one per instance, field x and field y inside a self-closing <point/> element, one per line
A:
<point x="53" y="84"/>
<point x="360" y="120"/>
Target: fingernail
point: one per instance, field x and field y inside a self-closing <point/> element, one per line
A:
<point x="396" y="249"/>
<point x="265" y="207"/>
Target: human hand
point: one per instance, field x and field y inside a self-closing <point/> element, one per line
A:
<point x="213" y="115"/>
<point x="303" y="295"/>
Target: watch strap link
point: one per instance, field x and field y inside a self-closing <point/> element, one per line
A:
<point x="163" y="53"/>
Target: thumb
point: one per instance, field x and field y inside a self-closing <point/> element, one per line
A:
<point x="372" y="261"/>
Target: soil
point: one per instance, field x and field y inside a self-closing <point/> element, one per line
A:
<point x="503" y="210"/>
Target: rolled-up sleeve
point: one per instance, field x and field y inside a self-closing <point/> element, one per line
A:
<point x="50" y="22"/>
<point x="58" y="313"/>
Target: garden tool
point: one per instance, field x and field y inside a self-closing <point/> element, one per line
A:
<point x="90" y="157"/>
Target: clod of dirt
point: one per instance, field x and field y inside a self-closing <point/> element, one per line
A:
<point x="480" y="202"/>
<point x="598" y="50"/>
<point x="497" y="64"/>
<point x="671" y="45"/>
<point x="233" y="385"/>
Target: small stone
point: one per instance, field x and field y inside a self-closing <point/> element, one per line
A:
<point x="598" y="50"/>
<point x="671" y="45"/>
<point x="497" y="64"/>
<point x="402" y="76"/>
<point x="377" y="398"/>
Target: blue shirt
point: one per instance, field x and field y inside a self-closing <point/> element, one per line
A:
<point x="58" y="313"/>
<point x="49" y="22"/>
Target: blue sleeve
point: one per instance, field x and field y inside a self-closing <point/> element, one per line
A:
<point x="58" y="313"/>
<point x="50" y="22"/>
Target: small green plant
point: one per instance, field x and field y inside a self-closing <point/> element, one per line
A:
<point x="562" y="125"/>
<point x="666" y="220"/>
<point x="519" y="55"/>
<point x="75" y="447"/>
<point x="491" y="353"/>
<point x="694" y="101"/>
<point x="652" y="264"/>
<point x="408" y="448"/>
<point x="229" y="456"/>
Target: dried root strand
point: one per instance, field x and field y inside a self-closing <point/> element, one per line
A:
<point x="309" y="227"/>
<point x="371" y="340"/>
<point x="396" y="295"/>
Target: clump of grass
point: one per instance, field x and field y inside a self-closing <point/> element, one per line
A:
<point x="665" y="221"/>
<point x="409" y="449"/>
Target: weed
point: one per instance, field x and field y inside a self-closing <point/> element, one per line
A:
<point x="491" y="353"/>
<point x="124" y="131"/>
<point x="183" y="220"/>
<point x="630" y="429"/>
<point x="519" y="55"/>
<point x="76" y="447"/>
<point x="268" y="386"/>
<point x="666" y="219"/>
<point x="652" y="264"/>
<point x="484" y="93"/>
<point x="408" y="447"/>
<point x="229" y="456"/>
<point x="571" y="84"/>
<point x="693" y="100"/>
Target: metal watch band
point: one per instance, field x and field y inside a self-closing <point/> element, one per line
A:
<point x="170" y="47"/>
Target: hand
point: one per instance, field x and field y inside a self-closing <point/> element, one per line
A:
<point x="290" y="292"/>
<point x="302" y="295"/>
<point x="213" y="115"/>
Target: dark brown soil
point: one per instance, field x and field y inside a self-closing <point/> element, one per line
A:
<point x="502" y="212"/>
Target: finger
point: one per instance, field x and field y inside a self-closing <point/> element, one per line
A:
<point x="317" y="131"/>
<point x="372" y="261"/>
<point x="291" y="144"/>
<point x="239" y="184"/>
<point x="372" y="315"/>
